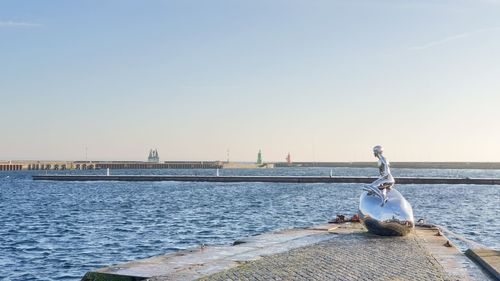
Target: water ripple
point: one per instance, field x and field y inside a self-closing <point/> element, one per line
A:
<point x="60" y="230"/>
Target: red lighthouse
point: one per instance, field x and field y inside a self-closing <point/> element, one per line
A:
<point x="288" y="159"/>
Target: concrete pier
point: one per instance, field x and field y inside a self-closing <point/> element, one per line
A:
<point x="89" y="165"/>
<point x="326" y="252"/>
<point x="488" y="259"/>
<point x="115" y="165"/>
<point x="397" y="165"/>
<point x="276" y="179"/>
<point x="10" y="167"/>
<point x="164" y="165"/>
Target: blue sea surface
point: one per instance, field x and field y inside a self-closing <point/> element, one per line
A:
<point x="60" y="230"/>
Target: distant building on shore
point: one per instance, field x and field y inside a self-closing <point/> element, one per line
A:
<point x="153" y="156"/>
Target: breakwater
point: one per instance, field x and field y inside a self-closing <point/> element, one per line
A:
<point x="397" y="165"/>
<point x="93" y="165"/>
<point x="273" y="179"/>
<point x="115" y="165"/>
<point x="10" y="167"/>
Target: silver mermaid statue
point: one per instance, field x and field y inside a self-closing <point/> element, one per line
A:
<point x="386" y="181"/>
<point x="382" y="209"/>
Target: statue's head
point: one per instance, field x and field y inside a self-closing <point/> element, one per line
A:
<point x="377" y="150"/>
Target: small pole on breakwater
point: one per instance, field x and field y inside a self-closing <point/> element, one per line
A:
<point x="217" y="172"/>
<point x="331" y="173"/>
<point x="107" y="172"/>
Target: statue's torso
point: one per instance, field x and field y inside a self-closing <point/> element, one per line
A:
<point x="384" y="169"/>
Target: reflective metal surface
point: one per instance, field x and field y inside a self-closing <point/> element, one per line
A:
<point x="385" y="182"/>
<point x="395" y="218"/>
<point x="382" y="209"/>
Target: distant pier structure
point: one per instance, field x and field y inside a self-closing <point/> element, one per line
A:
<point x="46" y="165"/>
<point x="10" y="167"/>
<point x="36" y="165"/>
<point x="59" y="165"/>
<point x="93" y="165"/>
<point x="164" y="165"/>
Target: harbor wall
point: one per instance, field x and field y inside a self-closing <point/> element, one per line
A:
<point x="91" y="165"/>
<point x="88" y="165"/>
<point x="397" y="165"/>
<point x="274" y="179"/>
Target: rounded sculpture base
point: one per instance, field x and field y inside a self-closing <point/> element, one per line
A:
<point x="395" y="218"/>
<point x="387" y="228"/>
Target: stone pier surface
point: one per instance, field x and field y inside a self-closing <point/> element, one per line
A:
<point x="327" y="252"/>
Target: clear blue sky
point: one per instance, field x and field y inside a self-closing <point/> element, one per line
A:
<point x="323" y="80"/>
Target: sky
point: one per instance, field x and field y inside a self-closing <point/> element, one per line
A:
<point x="321" y="80"/>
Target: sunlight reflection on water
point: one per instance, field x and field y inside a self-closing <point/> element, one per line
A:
<point x="60" y="230"/>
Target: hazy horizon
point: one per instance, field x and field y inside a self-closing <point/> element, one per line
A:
<point x="323" y="80"/>
<point x="3" y="161"/>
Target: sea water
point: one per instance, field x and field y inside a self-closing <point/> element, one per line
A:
<point x="60" y="230"/>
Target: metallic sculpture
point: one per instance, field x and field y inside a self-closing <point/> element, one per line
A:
<point x="382" y="209"/>
<point x="385" y="181"/>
